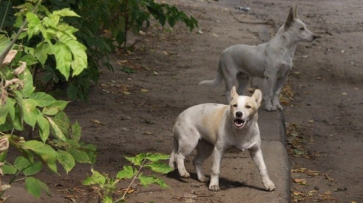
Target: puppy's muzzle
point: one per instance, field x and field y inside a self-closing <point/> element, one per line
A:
<point x="239" y="122"/>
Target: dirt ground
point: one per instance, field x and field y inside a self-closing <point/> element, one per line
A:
<point x="130" y="113"/>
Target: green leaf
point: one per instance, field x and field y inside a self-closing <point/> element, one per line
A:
<point x="30" y="112"/>
<point x="3" y="112"/>
<point x="34" y="24"/>
<point x="79" y="62"/>
<point x="10" y="106"/>
<point x="127" y="172"/>
<point x="63" y="57"/>
<point x="42" y="99"/>
<point x="41" y="52"/>
<point x="76" y="132"/>
<point x="29" y="59"/>
<point x="27" y="78"/>
<point x="45" y="152"/>
<point x="79" y="156"/>
<point x="159" y="167"/>
<point x="56" y="128"/>
<point x="35" y="186"/>
<point x="33" y="169"/>
<point x="9" y="170"/>
<point x="65" y="12"/>
<point x="62" y="120"/>
<point x="43" y="127"/>
<point x="55" y="107"/>
<point x="96" y="179"/>
<point x="66" y="160"/>
<point x="137" y="160"/>
<point x="107" y="199"/>
<point x="21" y="162"/>
<point x="157" y="157"/>
<point x="4" y="42"/>
<point x="148" y="180"/>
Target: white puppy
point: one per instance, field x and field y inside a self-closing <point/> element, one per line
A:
<point x="271" y="61"/>
<point x="218" y="128"/>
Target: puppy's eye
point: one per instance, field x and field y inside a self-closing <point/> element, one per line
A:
<point x="248" y="106"/>
<point x="235" y="105"/>
<point x="302" y="28"/>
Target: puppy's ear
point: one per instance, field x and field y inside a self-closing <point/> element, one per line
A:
<point x="290" y="19"/>
<point x="234" y="92"/>
<point x="257" y="95"/>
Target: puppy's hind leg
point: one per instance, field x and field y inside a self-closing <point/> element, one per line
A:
<point x="187" y="144"/>
<point x="204" y="150"/>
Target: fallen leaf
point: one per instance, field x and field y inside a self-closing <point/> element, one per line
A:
<point x="97" y="122"/>
<point x="122" y="61"/>
<point x="126" y="92"/>
<point x="144" y="90"/>
<point x="311" y="193"/>
<point x="298" y="193"/>
<point x="129" y="191"/>
<point x="155" y="73"/>
<point x="300" y="181"/>
<point x="148" y="133"/>
<point x="340" y="189"/>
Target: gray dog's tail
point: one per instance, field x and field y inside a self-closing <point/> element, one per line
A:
<point x="216" y="81"/>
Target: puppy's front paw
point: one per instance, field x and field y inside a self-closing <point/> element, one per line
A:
<point x="269" y="185"/>
<point x="185" y="174"/>
<point x="214" y="187"/>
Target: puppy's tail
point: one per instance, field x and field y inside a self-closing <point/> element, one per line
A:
<point x="173" y="152"/>
<point x="216" y="81"/>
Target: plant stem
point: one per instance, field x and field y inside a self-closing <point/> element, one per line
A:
<point x="133" y="180"/>
<point x="8" y="48"/>
<point x="126" y="21"/>
<point x="5" y="13"/>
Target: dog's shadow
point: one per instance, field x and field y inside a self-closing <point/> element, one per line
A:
<point x="224" y="183"/>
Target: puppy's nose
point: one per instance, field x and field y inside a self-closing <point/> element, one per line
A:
<point x="239" y="114"/>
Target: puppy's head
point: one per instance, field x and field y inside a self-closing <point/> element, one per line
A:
<point x="297" y="28"/>
<point x="243" y="109"/>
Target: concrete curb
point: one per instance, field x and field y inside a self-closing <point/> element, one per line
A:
<point x="273" y="131"/>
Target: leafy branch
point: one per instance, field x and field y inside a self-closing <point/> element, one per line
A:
<point x="107" y="186"/>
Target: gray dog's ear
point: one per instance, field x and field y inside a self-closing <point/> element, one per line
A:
<point x="257" y="95"/>
<point x="290" y="19"/>
<point x="234" y="92"/>
<point x="295" y="12"/>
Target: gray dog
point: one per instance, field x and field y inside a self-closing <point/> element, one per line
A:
<point x="271" y="61"/>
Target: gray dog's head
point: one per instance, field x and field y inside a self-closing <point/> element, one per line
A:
<point x="296" y="30"/>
